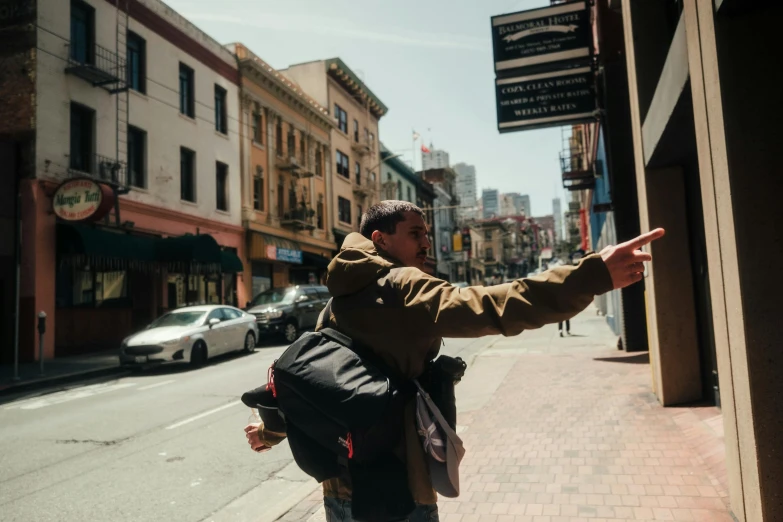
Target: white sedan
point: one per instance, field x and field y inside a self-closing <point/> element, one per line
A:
<point x="192" y="334"/>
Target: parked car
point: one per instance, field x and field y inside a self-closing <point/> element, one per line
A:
<point x="287" y="311"/>
<point x="192" y="334"/>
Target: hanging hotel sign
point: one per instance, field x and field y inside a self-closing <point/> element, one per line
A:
<point x="546" y="100"/>
<point x="82" y="200"/>
<point x="542" y="37"/>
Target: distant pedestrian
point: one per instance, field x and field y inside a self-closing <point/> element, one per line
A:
<point x="568" y="327"/>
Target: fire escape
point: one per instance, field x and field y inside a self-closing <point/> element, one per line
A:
<point x="300" y="214"/>
<point x="106" y="69"/>
<point x="575" y="163"/>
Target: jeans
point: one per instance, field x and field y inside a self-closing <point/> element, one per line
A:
<point x="340" y="511"/>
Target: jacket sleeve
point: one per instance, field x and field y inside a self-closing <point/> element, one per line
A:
<point x="508" y="309"/>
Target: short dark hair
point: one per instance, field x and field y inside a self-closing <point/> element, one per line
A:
<point x="385" y="215"/>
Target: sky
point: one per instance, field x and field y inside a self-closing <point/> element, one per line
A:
<point x="429" y="61"/>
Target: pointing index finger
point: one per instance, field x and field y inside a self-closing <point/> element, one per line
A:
<point x="645" y="239"/>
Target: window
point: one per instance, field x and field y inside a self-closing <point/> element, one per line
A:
<point x="137" y="63"/>
<point x="186" y="91"/>
<point x="230" y="314"/>
<point x="280" y="197"/>
<point x="488" y="235"/>
<point x="320" y="211"/>
<point x="257" y="122"/>
<point x="343" y="210"/>
<point x="399" y="189"/>
<point x="372" y="141"/>
<point x="358" y="171"/>
<point x="221" y="117"/>
<point x="342" y="118"/>
<point x="410" y="196"/>
<point x="137" y="157"/>
<point x="291" y="141"/>
<point x="82" y="32"/>
<point x="318" y="162"/>
<point x="356" y="131"/>
<point x="187" y="174"/>
<point x="358" y="216"/>
<point x="279" y="137"/>
<point x="366" y="135"/>
<point x="82" y="138"/>
<point x="488" y="254"/>
<point x="342" y="165"/>
<point x="258" y="189"/>
<point x="221" y="185"/>
<point x="303" y="148"/>
<point x="87" y="288"/>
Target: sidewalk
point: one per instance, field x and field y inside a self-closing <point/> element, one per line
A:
<point x="573" y="433"/>
<point x="58" y="370"/>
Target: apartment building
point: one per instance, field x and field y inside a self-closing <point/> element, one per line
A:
<point x="134" y="110"/>
<point x="285" y="146"/>
<point x="355" y="156"/>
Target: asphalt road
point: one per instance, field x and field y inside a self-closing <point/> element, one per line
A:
<point x="161" y="445"/>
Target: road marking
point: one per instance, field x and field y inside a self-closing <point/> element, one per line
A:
<point x="202" y="415"/>
<point x="69" y="395"/>
<point x="151" y="386"/>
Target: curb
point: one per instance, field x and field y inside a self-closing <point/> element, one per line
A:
<point x="57" y="380"/>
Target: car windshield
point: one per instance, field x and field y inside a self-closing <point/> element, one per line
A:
<point x="179" y="319"/>
<point x="282" y="296"/>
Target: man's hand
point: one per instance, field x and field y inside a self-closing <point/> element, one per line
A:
<point x="626" y="262"/>
<point x="254" y="438"/>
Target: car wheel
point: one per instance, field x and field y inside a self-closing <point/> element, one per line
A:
<point x="198" y="355"/>
<point x="290" y="332"/>
<point x="250" y="342"/>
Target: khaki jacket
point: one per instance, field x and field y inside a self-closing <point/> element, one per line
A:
<point x="402" y="314"/>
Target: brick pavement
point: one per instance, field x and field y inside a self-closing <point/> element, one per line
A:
<point x="574" y="434"/>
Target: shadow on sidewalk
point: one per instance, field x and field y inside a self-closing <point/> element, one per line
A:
<point x="639" y="358"/>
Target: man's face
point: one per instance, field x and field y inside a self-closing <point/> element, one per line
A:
<point x="408" y="244"/>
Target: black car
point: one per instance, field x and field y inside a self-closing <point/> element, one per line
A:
<point x="289" y="310"/>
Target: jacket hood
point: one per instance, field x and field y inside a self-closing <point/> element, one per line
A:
<point x="356" y="266"/>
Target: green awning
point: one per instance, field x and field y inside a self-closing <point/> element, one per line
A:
<point x="201" y="249"/>
<point x="230" y="262"/>
<point x="103" y="248"/>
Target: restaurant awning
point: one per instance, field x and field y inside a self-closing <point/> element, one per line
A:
<point x="230" y="262"/>
<point x="113" y="249"/>
<point x="105" y="249"/>
<point x="315" y="260"/>
<point x="259" y="243"/>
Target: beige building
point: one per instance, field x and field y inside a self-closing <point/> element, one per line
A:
<point x="285" y="145"/>
<point x="704" y="81"/>
<point x="355" y="155"/>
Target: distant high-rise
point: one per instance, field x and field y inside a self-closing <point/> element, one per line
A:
<point x="435" y="159"/>
<point x="523" y="205"/>
<point x="491" y="203"/>
<point x="557" y="211"/>
<point x="466" y="190"/>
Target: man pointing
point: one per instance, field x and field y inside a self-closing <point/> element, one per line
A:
<point x="384" y="300"/>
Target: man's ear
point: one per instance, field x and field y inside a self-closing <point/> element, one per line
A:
<point x="378" y="239"/>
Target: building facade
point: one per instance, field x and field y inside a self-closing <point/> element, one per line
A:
<point x="398" y="180"/>
<point x="135" y="100"/>
<point x="434" y="159"/>
<point x="557" y="212"/>
<point x="355" y="155"/>
<point x="490" y="203"/>
<point x="443" y="181"/>
<point x="285" y="138"/>
<point x="467" y="192"/>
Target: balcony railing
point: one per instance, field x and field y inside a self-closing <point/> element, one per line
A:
<point x="101" y="168"/>
<point x="99" y="66"/>
<point x="302" y="218"/>
<point x="363" y="186"/>
<point x="362" y="147"/>
<point x="577" y="173"/>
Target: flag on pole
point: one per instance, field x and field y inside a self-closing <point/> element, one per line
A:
<point x="416" y="136"/>
<point x="425" y="150"/>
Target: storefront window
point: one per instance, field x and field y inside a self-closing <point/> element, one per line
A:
<point x="79" y="287"/>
